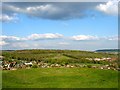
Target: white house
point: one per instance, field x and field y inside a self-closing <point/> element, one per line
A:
<point x="30" y="63"/>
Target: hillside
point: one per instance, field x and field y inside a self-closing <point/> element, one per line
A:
<point x="58" y="58"/>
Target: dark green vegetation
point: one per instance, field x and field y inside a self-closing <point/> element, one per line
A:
<point x="60" y="78"/>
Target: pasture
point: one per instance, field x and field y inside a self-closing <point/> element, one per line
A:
<point x="60" y="78"/>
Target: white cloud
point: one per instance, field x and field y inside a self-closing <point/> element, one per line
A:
<point x="32" y="37"/>
<point x="10" y="38"/>
<point x="88" y="37"/>
<point x="11" y="8"/>
<point x="8" y="18"/>
<point x="20" y="45"/>
<point x="84" y="37"/>
<point x="43" y="8"/>
<point x="111" y="7"/>
<point x="57" y="11"/>
<point x="13" y="39"/>
<point x="63" y="43"/>
<point x="2" y="43"/>
<point x="53" y="11"/>
<point x="14" y="42"/>
<point x="44" y="36"/>
<point x="113" y="38"/>
<point x="47" y="11"/>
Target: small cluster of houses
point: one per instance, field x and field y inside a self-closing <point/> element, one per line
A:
<point x="14" y="65"/>
<point x="6" y="65"/>
<point x="100" y="59"/>
<point x="1" y="57"/>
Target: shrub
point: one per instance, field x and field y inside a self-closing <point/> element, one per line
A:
<point x="34" y="66"/>
<point x="89" y="66"/>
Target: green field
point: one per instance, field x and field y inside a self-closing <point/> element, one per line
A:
<point x="60" y="78"/>
<point x="50" y="69"/>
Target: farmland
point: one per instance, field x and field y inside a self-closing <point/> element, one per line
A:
<point x="59" y="69"/>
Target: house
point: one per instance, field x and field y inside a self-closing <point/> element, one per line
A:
<point x="97" y="59"/>
<point x="30" y="63"/>
<point x="1" y="57"/>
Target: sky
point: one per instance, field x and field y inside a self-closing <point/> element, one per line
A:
<point x="59" y="25"/>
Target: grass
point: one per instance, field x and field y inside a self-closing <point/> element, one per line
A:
<point x="60" y="78"/>
<point x="0" y="79"/>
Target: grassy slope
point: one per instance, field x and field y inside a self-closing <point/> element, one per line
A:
<point x="60" y="78"/>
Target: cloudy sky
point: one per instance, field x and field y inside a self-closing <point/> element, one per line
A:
<point x="59" y="25"/>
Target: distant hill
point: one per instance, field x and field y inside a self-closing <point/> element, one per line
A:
<point x="109" y="50"/>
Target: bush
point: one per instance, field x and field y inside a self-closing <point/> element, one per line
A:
<point x="89" y="66"/>
<point x="34" y="66"/>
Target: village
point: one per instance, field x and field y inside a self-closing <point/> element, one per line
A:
<point x="22" y="64"/>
